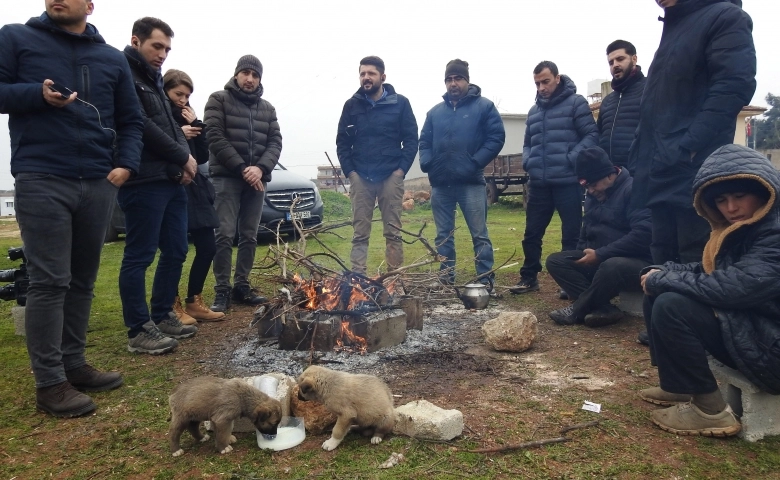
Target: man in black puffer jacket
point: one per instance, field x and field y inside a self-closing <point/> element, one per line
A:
<point x="154" y="202"/>
<point x="726" y="305"/>
<point x="614" y="245"/>
<point x="244" y="144"/>
<point x="619" y="111"/>
<point x="558" y="128"/>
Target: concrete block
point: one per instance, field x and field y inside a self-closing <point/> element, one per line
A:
<point x="631" y="303"/>
<point x="283" y="392"/>
<point x="17" y="313"/>
<point x="422" y="419"/>
<point x="759" y="411"/>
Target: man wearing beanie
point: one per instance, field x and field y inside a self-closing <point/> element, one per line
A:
<point x="614" y="245"/>
<point x="560" y="125"/>
<point x="460" y="137"/>
<point x="376" y="144"/>
<point x="244" y="145"/>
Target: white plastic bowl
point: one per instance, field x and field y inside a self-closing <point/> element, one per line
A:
<point x="289" y="433"/>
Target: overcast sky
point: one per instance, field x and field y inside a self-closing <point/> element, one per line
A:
<point x="310" y="50"/>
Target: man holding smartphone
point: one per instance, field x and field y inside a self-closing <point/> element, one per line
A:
<point x="71" y="149"/>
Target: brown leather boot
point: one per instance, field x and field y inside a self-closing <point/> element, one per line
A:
<point x="63" y="401"/>
<point x="181" y="315"/>
<point x="198" y="310"/>
<point x="89" y="379"/>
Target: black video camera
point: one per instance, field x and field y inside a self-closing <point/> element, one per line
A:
<point x="21" y="281"/>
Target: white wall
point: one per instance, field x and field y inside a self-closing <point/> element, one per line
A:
<point x="7" y="207"/>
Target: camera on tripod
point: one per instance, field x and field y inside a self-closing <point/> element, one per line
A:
<point x="21" y="281"/>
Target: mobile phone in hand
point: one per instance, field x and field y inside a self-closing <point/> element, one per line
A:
<point x="571" y="257"/>
<point x="63" y="91"/>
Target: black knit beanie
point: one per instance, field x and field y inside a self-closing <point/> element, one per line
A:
<point x="736" y="185"/>
<point x="593" y="164"/>
<point x="457" y="67"/>
<point x="249" y="62"/>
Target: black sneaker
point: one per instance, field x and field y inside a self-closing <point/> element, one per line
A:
<point x="247" y="296"/>
<point x="643" y="338"/>
<point x="171" y="327"/>
<point x="221" y="300"/>
<point x="563" y="295"/>
<point x="525" y="285"/>
<point x="605" y="315"/>
<point x="564" y="316"/>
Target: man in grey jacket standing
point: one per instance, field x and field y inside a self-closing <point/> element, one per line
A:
<point x="244" y="144"/>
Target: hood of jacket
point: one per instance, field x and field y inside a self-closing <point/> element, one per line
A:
<point x="731" y="162"/>
<point x="565" y="89"/>
<point x="246" y="98"/>
<point x="473" y="92"/>
<point x="44" y="22"/>
<point x="686" y="7"/>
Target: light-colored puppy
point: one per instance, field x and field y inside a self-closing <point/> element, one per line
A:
<point x="221" y="401"/>
<point x="363" y="400"/>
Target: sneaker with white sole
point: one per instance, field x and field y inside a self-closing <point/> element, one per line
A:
<point x="170" y="326"/>
<point x="151" y="341"/>
<point x="687" y="419"/>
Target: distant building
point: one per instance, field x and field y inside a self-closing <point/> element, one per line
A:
<point x="7" y="204"/>
<point x="328" y="178"/>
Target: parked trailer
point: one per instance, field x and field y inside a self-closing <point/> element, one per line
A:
<point x="501" y="173"/>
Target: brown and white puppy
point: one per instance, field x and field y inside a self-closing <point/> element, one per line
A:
<point x="221" y="401"/>
<point x="363" y="400"/>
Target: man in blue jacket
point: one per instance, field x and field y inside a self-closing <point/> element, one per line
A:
<point x="460" y="137"/>
<point x="70" y="151"/>
<point x="376" y="144"/>
<point x="558" y="128"/>
<point x="614" y="245"/>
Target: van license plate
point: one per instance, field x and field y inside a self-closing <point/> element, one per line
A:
<point x="298" y="215"/>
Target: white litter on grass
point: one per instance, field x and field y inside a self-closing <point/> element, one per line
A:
<point x="395" y="459"/>
<point x="591" y="407"/>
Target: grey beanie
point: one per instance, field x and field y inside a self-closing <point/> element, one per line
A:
<point x="249" y="62"/>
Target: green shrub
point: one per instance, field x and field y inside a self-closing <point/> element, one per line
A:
<point x="337" y="205"/>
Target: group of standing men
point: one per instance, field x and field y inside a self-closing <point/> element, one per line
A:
<point x="92" y="127"/>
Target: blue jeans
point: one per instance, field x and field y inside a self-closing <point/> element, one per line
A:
<point x="155" y="216"/>
<point x="472" y="200"/>
<point x="542" y="203"/>
<point x="63" y="223"/>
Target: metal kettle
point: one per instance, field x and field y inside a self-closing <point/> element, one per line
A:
<point x="475" y="296"/>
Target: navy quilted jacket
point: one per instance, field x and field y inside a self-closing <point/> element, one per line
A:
<point x="619" y="118"/>
<point x="556" y="130"/>
<point x="740" y="272"/>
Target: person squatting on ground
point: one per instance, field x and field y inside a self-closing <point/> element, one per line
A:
<point x="619" y="111"/>
<point x="559" y="126"/>
<point x="461" y="135"/>
<point x="70" y="151"/>
<point x="201" y="216"/>
<point x="614" y="245"/>
<point x="726" y="305"/>
<point x="709" y="43"/>
<point x="154" y="202"/>
<point x="245" y="144"/>
<point x="376" y="144"/>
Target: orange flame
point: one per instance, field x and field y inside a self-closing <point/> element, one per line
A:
<point x="358" y="343"/>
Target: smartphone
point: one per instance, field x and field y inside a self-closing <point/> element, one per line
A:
<point x="569" y="257"/>
<point x="61" y="90"/>
<point x="198" y="124"/>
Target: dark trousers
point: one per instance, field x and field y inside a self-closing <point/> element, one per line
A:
<point x="679" y="234"/>
<point x="682" y="331"/>
<point x="593" y="286"/>
<point x="155" y="217"/>
<point x="542" y="203"/>
<point x="205" y="249"/>
<point x="63" y="223"/>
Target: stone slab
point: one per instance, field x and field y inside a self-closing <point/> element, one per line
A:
<point x="17" y="312"/>
<point x="422" y="419"/>
<point x="631" y="303"/>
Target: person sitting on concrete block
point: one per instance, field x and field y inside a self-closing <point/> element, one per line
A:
<point x="614" y="245"/>
<point x="727" y="304"/>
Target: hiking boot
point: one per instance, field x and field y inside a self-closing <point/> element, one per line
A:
<point x="200" y="312"/>
<point x="525" y="285"/>
<point x="184" y="317"/>
<point x="687" y="419"/>
<point x="661" y="397"/>
<point x="563" y="295"/>
<point x="151" y="341"/>
<point x="565" y="316"/>
<point x="643" y="338"/>
<point x="221" y="300"/>
<point x="602" y="316"/>
<point x="247" y="296"/>
<point x="63" y="401"/>
<point x="89" y="379"/>
<point x="170" y="326"/>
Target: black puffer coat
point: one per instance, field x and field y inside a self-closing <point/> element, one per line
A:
<point x="557" y="129"/>
<point x="740" y="271"/>
<point x="164" y="142"/>
<point x="619" y="117"/>
<point x="613" y="228"/>
<point x="200" y="192"/>
<point x="702" y="74"/>
<point x="242" y="131"/>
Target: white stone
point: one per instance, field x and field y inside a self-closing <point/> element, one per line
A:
<point x="511" y="331"/>
<point x="283" y="392"/>
<point x="17" y="312"/>
<point x="422" y="419"/>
